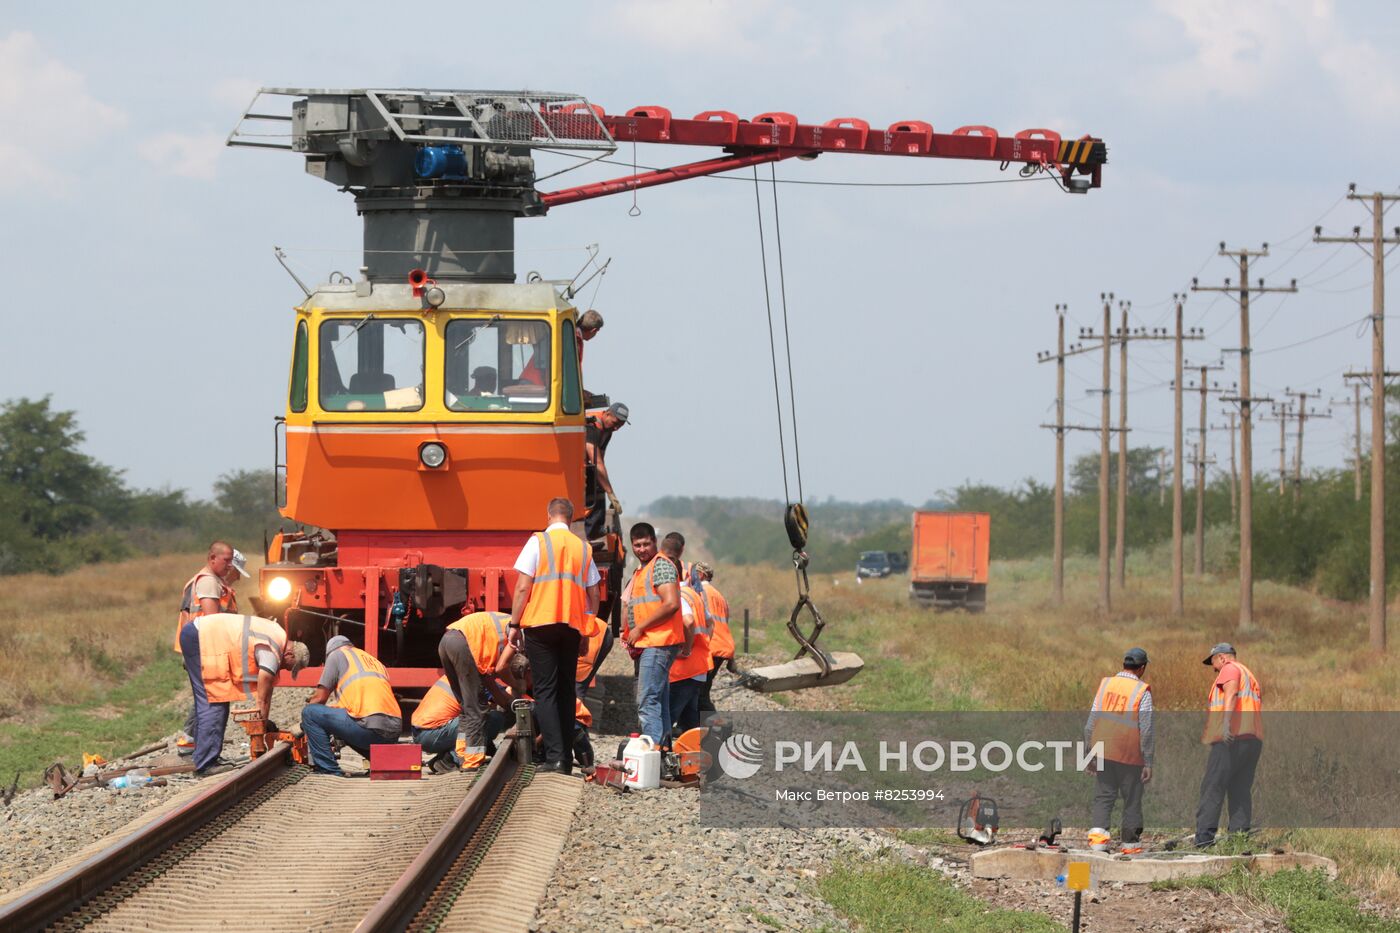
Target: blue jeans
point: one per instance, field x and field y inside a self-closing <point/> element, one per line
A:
<point x="438" y="740"/>
<point x="654" y="691"/>
<point x="320" y="723"/>
<point x="210" y="719"/>
<point x="685" y="703"/>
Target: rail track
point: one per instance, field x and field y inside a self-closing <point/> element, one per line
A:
<point x="276" y="847"/>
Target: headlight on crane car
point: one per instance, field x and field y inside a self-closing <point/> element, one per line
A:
<point x="278" y="589"/>
<point x="432" y="454"/>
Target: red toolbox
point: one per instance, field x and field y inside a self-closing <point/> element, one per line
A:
<point x="396" y="762"/>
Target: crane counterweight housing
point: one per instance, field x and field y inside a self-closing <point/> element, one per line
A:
<point x="434" y="406"/>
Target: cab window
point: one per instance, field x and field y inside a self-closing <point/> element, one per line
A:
<point x="297" y="396"/>
<point x="371" y="364"/>
<point x="571" y="393"/>
<point x="492" y="364"/>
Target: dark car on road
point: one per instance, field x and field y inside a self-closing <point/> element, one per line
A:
<point x="873" y="564"/>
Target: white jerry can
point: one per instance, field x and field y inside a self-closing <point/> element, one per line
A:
<point x="641" y="759"/>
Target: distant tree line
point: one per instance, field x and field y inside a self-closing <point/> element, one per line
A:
<point x="60" y="507"/>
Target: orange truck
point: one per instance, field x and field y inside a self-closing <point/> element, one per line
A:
<point x="948" y="567"/>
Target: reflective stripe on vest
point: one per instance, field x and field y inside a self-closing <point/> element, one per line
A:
<point x="191" y="609"/>
<point x="1247" y="717"/>
<point x="1119" y="702"/>
<point x="438" y="707"/>
<point x="721" y="639"/>
<point x="227" y="652"/>
<point x="698" y="662"/>
<point x="646" y="599"/>
<point x="558" y="593"/>
<point x="371" y="691"/>
<point x="473" y="629"/>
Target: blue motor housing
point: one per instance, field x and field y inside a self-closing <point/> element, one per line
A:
<point x="440" y="162"/>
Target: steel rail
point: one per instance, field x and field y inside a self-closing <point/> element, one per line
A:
<point x="88" y="879"/>
<point x="399" y="906"/>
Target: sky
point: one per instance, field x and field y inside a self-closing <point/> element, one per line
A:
<point x="141" y="289"/>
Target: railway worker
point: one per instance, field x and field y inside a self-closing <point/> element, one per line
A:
<point x="556" y="590"/>
<point x="1235" y="734"/>
<point x="231" y="658"/>
<point x="590" y="323"/>
<point x="1121" y="718"/>
<point x="675" y="542"/>
<point x="498" y="720"/>
<point x="435" y="723"/>
<point x="475" y="653"/>
<point x="598" y="432"/>
<point x="353" y="702"/>
<point x="656" y="628"/>
<point x="208" y="591"/>
<point x="717" y="619"/>
<point x="643" y="538"/>
<point x="692" y="664"/>
<point x="596" y="641"/>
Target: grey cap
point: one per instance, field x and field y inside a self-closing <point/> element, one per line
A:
<point x="1135" y="657"/>
<point x="239" y="562"/>
<point x="1223" y="648"/>
<point x="336" y="642"/>
<point x="619" y="411"/>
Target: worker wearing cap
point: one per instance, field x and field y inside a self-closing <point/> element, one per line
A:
<point x="717" y="620"/>
<point x="231" y="658"/>
<point x="556" y="590"/>
<point x="598" y="431"/>
<point x="1121" y="719"/>
<point x="353" y="702"/>
<point x="475" y="652"/>
<point x="1235" y="734"/>
<point x="209" y="591"/>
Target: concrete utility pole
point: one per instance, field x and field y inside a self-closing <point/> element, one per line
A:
<point x="1376" y="203"/>
<point x="1355" y="404"/>
<point x="1178" y="472"/>
<point x="1303" y="416"/>
<point x="1246" y="400"/>
<point x="1206" y="389"/>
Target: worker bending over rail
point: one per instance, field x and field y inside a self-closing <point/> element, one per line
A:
<point x="232" y="658"/>
<point x="556" y="590"/>
<point x="655" y="630"/>
<point x="499" y="720"/>
<point x="475" y="653"/>
<point x="353" y="702"/>
<point x="1121" y="718"/>
<point x="207" y="592"/>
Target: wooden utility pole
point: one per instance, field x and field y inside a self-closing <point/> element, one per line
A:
<point x="1242" y="294"/>
<point x="1059" y="427"/>
<point x="1303" y="416"/>
<point x="1178" y="471"/>
<point x="1355" y="404"/>
<point x="1282" y="414"/>
<point x="1230" y="428"/>
<point x="1162" y="476"/>
<point x="1376" y="203"/>
<point x="1206" y="389"/>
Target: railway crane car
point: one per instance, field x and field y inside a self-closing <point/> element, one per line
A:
<point x="434" y="403"/>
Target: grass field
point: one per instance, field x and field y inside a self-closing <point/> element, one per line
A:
<point x="86" y="663"/>
<point x="1024" y="653"/>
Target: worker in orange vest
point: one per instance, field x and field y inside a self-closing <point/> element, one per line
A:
<point x="692" y="664"/>
<point x="231" y="658"/>
<point x="717" y="620"/>
<point x="1121" y="719"/>
<point x="209" y="591"/>
<point x="352" y="702"/>
<point x="556" y="590"/>
<point x="1235" y="733"/>
<point x="475" y="652"/>
<point x="436" y="720"/>
<point x="655" y="629"/>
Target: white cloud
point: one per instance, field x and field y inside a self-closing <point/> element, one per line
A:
<point x="50" y="108"/>
<point x="188" y="155"/>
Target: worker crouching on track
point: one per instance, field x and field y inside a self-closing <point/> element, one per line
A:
<point x="436" y="721"/>
<point x="1121" y="718"/>
<point x="692" y="664"/>
<point x="655" y="628"/>
<point x="474" y="652"/>
<point x="353" y="703"/>
<point x="717" y="620"/>
<point x="499" y="720"/>
<point x="556" y="590"/>
<point x="231" y="658"/>
<point x="1235" y="734"/>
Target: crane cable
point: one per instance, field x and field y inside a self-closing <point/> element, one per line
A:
<point x="795" y="515"/>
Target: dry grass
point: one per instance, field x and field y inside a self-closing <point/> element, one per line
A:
<point x="65" y="639"/>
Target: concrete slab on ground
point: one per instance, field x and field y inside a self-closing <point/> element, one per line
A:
<point x="1047" y="864"/>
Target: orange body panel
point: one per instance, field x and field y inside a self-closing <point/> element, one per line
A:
<point x="950" y="546"/>
<point x="364" y="476"/>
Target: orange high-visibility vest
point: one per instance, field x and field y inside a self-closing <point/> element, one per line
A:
<point x="364" y="688"/>
<point x="1247" y="716"/>
<point x="228" y="646"/>
<point x="593" y="643"/>
<point x="438" y="707"/>
<point x="582" y="714"/>
<point x="717" y="610"/>
<point x="486" y="637"/>
<point x="1116" y="726"/>
<point x="190" y="608"/>
<point x="559" y="593"/>
<point x="646" y="605"/>
<point x="699" y="661"/>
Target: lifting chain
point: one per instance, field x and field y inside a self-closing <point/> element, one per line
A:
<point x="797" y="523"/>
